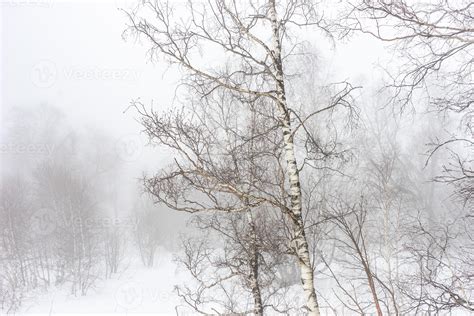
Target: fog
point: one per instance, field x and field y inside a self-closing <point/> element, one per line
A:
<point x="146" y="165"/>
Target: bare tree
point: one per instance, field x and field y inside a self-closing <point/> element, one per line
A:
<point x="249" y="250"/>
<point x="355" y="255"/>
<point x="51" y="223"/>
<point x="16" y="275"/>
<point x="69" y="195"/>
<point x="234" y="265"/>
<point x="434" y="40"/>
<point x="434" y="43"/>
<point x="400" y="247"/>
<point x="147" y="232"/>
<point x="442" y="255"/>
<point x="114" y="249"/>
<point x="255" y="44"/>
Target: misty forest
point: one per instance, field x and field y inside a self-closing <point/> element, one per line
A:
<point x="227" y="157"/>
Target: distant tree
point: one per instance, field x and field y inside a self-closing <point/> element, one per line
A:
<point x="398" y="248"/>
<point x="70" y="197"/>
<point x="434" y="40"/>
<point x="16" y="273"/>
<point x="53" y="181"/>
<point x="148" y="235"/>
<point x="440" y="255"/>
<point x="434" y="43"/>
<point x="114" y="244"/>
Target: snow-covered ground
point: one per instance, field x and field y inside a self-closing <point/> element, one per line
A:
<point x="136" y="289"/>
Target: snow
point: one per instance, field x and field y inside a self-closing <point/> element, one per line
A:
<point x="135" y="290"/>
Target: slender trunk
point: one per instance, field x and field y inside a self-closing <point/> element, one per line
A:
<point x="365" y="263"/>
<point x="372" y="289"/>
<point x="388" y="252"/>
<point x="253" y="265"/>
<point x="253" y="252"/>
<point x="299" y="237"/>
<point x="151" y="256"/>
<point x="16" y="248"/>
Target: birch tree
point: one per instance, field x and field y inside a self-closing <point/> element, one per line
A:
<point x="233" y="262"/>
<point x="241" y="252"/>
<point x="253" y="43"/>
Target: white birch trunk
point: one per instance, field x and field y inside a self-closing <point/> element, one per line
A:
<point x="254" y="268"/>
<point x="299" y="237"/>
<point x="253" y="243"/>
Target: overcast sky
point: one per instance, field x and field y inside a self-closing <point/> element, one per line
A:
<point x="71" y="55"/>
